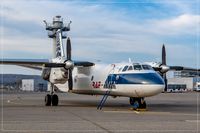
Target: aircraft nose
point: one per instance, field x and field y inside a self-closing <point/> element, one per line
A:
<point x="158" y="89"/>
<point x="161" y="88"/>
<point x="152" y="90"/>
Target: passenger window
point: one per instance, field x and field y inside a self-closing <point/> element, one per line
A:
<point x="125" y="68"/>
<point x="137" y="67"/>
<point x="120" y="69"/>
<point x="130" y="68"/>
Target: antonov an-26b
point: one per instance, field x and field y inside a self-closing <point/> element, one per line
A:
<point x="133" y="80"/>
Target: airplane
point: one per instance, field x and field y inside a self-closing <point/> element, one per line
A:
<point x="127" y="79"/>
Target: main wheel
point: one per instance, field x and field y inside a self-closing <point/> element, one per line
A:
<point x="134" y="102"/>
<point x="142" y="104"/>
<point x="54" y="99"/>
<point x="48" y="100"/>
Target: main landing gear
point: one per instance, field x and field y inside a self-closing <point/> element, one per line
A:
<point x="137" y="103"/>
<point x="51" y="99"/>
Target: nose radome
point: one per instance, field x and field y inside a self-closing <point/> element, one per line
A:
<point x="152" y="90"/>
<point x="161" y="88"/>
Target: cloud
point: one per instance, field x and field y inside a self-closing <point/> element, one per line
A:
<point x="185" y="24"/>
<point x="101" y="31"/>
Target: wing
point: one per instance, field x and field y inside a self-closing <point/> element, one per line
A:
<point x="29" y="63"/>
<point x="164" y="68"/>
<point x="38" y="64"/>
<point x="179" y="68"/>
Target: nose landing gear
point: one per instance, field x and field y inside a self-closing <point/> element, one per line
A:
<point x="137" y="103"/>
<point x="51" y="99"/>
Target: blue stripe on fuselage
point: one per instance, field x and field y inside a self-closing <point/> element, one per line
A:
<point x="134" y="78"/>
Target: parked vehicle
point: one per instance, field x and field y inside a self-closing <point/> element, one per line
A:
<point x="197" y="87"/>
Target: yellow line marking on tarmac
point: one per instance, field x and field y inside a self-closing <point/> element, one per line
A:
<point x="149" y="113"/>
<point x="195" y="121"/>
<point x="134" y="111"/>
<point x="137" y="112"/>
<point x="117" y="111"/>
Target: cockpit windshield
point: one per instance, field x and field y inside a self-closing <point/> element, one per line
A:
<point x="130" y="68"/>
<point x="147" y="67"/>
<point x="136" y="66"/>
<point x="125" y="68"/>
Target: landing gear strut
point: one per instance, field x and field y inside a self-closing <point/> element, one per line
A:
<point x="137" y="103"/>
<point x="51" y="99"/>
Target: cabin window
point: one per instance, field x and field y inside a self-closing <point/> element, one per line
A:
<point x="120" y="69"/>
<point x="146" y="67"/>
<point x="137" y="67"/>
<point x="125" y="68"/>
<point x="92" y="78"/>
<point x="130" y="68"/>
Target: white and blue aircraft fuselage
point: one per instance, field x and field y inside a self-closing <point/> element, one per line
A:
<point x="121" y="79"/>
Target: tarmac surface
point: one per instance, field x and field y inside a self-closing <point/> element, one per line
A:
<point x="166" y="112"/>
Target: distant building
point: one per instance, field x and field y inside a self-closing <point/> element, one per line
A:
<point x="184" y="73"/>
<point x="27" y="84"/>
<point x="183" y="81"/>
<point x="41" y="87"/>
<point x="180" y="84"/>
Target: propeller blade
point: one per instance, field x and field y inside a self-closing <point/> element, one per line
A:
<point x="164" y="63"/>
<point x="54" y="65"/>
<point x="68" y="50"/>
<point x="165" y="80"/>
<point x="163" y="55"/>
<point x="70" y="80"/>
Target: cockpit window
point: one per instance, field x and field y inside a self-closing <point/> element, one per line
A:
<point x="125" y="68"/>
<point x="137" y="67"/>
<point x="130" y="68"/>
<point x="147" y="67"/>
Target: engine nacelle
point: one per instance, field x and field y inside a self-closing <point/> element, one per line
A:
<point x="58" y="76"/>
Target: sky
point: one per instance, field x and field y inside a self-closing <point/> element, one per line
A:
<point x="106" y="30"/>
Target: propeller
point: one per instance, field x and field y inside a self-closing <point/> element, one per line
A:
<point x="69" y="64"/>
<point x="163" y="55"/>
<point x="164" y="66"/>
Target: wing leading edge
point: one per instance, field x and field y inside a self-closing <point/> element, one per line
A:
<point x="38" y="64"/>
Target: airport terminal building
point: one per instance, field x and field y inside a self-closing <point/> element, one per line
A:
<point x="183" y="81"/>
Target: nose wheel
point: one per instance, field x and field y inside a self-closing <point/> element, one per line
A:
<point x="137" y="103"/>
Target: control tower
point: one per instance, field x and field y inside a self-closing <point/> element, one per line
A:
<point x="52" y="28"/>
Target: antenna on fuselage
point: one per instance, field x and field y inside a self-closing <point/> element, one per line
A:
<point x="129" y="60"/>
<point x="55" y="31"/>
